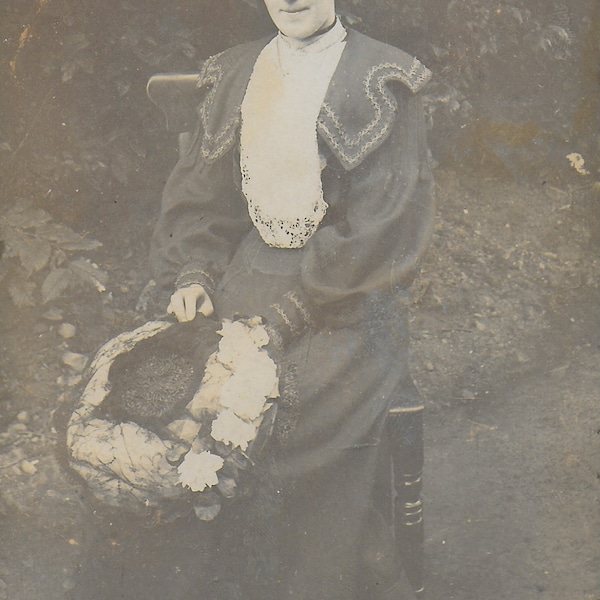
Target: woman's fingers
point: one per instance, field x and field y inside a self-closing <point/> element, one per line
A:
<point x="183" y="305"/>
<point x="187" y="301"/>
<point x="180" y="305"/>
<point x="206" y="306"/>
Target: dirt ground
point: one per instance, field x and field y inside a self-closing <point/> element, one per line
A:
<point x="506" y="337"/>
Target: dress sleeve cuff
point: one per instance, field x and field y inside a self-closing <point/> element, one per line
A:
<point x="196" y="275"/>
<point x="291" y="317"/>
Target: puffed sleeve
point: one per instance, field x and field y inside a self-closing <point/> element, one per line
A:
<point x="374" y="249"/>
<point x="202" y="220"/>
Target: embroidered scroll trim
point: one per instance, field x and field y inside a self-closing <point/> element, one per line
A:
<point x="384" y="104"/>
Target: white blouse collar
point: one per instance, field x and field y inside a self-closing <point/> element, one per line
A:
<point x="317" y="43"/>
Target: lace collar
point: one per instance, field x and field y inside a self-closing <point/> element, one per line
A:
<point x="358" y="111"/>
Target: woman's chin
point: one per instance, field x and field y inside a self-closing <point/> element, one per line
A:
<point x="294" y="25"/>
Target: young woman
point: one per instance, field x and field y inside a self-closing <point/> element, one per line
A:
<point x="304" y="196"/>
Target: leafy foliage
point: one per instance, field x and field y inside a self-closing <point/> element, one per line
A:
<point x="37" y="248"/>
<point x="85" y="66"/>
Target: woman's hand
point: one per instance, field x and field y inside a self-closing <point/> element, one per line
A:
<point x="188" y="301"/>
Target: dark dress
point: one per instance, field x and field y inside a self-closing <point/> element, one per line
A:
<point x="311" y="530"/>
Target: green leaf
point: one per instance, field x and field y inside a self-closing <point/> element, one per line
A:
<point x="81" y="244"/>
<point x="56" y="282"/>
<point x="227" y="486"/>
<point x="34" y="217"/>
<point x="22" y="292"/>
<point x="59" y="259"/>
<point x="27" y="218"/>
<point x="11" y="239"/>
<point x="207" y="513"/>
<point x="66" y="238"/>
<point x="57" y="232"/>
<point x="89" y="273"/>
<point x="34" y="253"/>
<point x="17" y="208"/>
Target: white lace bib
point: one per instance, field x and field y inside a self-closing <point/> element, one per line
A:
<point x="279" y="155"/>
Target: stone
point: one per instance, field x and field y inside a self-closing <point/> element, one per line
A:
<point x="53" y="314"/>
<point x="28" y="467"/>
<point x="75" y="361"/>
<point x="67" y="331"/>
<point x="17" y="428"/>
<point x="23" y="417"/>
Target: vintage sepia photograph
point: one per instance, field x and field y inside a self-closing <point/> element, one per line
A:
<point x="299" y="299"/>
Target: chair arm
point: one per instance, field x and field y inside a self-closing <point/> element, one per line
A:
<point x="178" y="96"/>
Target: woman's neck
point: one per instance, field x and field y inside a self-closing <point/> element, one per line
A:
<point x="309" y="41"/>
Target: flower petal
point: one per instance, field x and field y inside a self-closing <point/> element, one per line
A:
<point x="230" y="429"/>
<point x="199" y="471"/>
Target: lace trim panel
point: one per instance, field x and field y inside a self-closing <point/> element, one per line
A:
<point x="351" y="149"/>
<point x="287" y="233"/>
<point x="215" y="145"/>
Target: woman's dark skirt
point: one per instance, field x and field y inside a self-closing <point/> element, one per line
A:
<point x="311" y="526"/>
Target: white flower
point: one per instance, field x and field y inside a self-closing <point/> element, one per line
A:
<point x="259" y="370"/>
<point x="241" y="401"/>
<point x="246" y="391"/>
<point x="207" y="396"/>
<point x="230" y="429"/>
<point x="257" y="332"/>
<point x="198" y="471"/>
<point x="239" y="375"/>
<point x="241" y="338"/>
<point x="234" y="347"/>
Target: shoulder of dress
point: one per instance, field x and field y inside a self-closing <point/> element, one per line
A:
<point x="230" y="62"/>
<point x="379" y="59"/>
<point x="225" y="76"/>
<point x="360" y="109"/>
<point x="179" y="95"/>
